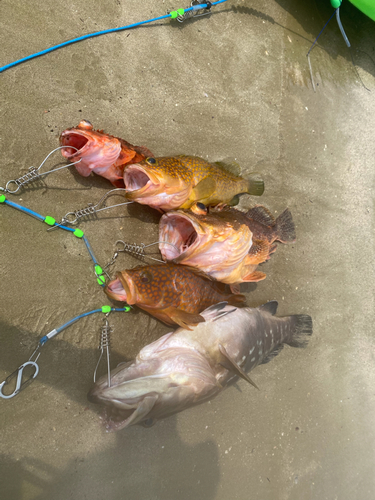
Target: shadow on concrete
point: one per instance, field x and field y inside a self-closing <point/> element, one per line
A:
<point x="143" y="463"/>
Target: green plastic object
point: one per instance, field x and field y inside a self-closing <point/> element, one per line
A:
<point x="366" y="6"/>
<point x="98" y="269"/>
<point x="106" y="309"/>
<point x="2" y="198"/>
<point x="49" y="220"/>
<point x="127" y="308"/>
<point x="336" y="3"/>
<point x="176" y="13"/>
<point x="78" y="233"/>
<point x="101" y="280"/>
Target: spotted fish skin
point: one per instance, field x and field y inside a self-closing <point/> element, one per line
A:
<point x="167" y="183"/>
<point x="186" y="368"/>
<point x="101" y="153"/>
<point x="174" y="294"/>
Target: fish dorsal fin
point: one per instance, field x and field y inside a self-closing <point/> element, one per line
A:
<point x="262" y="215"/>
<point x="229" y="165"/>
<point x="229" y="363"/>
<point x="270" y="307"/>
<point x="199" y="272"/>
<point x="204" y="189"/>
<point x="217" y="311"/>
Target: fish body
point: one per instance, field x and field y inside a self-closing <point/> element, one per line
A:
<point x="185" y="368"/>
<point x="174" y="294"/>
<point x="167" y="183"/>
<point x="225" y="243"/>
<point x="100" y="153"/>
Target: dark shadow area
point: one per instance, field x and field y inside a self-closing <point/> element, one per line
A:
<point x="144" y="463"/>
<point x="312" y="16"/>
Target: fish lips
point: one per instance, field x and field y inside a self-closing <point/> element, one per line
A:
<point x="139" y="181"/>
<point x="121" y="289"/>
<point x="76" y="141"/>
<point x="179" y="234"/>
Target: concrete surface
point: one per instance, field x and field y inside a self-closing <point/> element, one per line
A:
<point x="237" y="85"/>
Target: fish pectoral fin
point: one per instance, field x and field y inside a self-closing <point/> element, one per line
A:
<point x="235" y="288"/>
<point x="270" y="307"/>
<point x="254" y="277"/>
<point x="183" y="318"/>
<point x="83" y="170"/>
<point x="139" y="414"/>
<point x="229" y="363"/>
<point x="258" y="253"/>
<point x="203" y="190"/>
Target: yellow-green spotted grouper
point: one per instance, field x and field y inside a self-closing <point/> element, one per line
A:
<point x="173" y="182"/>
<point x="187" y="367"/>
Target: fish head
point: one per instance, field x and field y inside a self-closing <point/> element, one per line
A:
<point x="159" y="182"/>
<point x="157" y="384"/>
<point x="96" y="152"/>
<point x="146" y="285"/>
<point x="200" y="239"/>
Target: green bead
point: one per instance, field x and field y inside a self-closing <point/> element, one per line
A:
<point x="106" y="309"/>
<point x="181" y="12"/>
<point x="101" y="280"/>
<point x="336" y="3"/>
<point x="98" y="269"/>
<point x="2" y="198"/>
<point x="78" y="233"/>
<point x="127" y="308"/>
<point x="49" y="220"/>
<point x="173" y="14"/>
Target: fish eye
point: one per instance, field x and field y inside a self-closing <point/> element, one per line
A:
<point x="145" y="277"/>
<point x="151" y="161"/>
<point x="199" y="208"/>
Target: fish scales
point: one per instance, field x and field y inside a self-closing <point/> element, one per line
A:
<point x="166" y="183"/>
<point x="186" y="368"/>
<point x="172" y="293"/>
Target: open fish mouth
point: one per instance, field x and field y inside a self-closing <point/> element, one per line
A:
<point x="116" y="290"/>
<point x="76" y="140"/>
<point x="137" y="179"/>
<point x="183" y="232"/>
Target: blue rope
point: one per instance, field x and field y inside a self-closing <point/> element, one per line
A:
<point x="99" y="33"/>
<point x="40" y="217"/>
<point x="56" y="331"/>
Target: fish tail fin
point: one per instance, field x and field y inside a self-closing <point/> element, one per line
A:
<point x="285" y="229"/>
<point x="255" y="185"/>
<point x="302" y="328"/>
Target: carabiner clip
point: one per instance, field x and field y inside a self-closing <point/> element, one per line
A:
<point x="20" y="385"/>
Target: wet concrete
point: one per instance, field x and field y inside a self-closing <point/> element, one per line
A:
<point x="234" y="85"/>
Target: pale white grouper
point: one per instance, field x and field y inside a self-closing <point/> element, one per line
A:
<point x="187" y="367"/>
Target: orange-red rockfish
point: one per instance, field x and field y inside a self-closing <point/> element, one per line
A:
<point x="100" y="153"/>
<point x="225" y="243"/>
<point x="172" y="293"/>
<point x="172" y="182"/>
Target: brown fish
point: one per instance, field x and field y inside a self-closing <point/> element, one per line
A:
<point x="172" y="293"/>
<point x="100" y="153"/>
<point x="225" y="243"/>
<point x="173" y="182"/>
